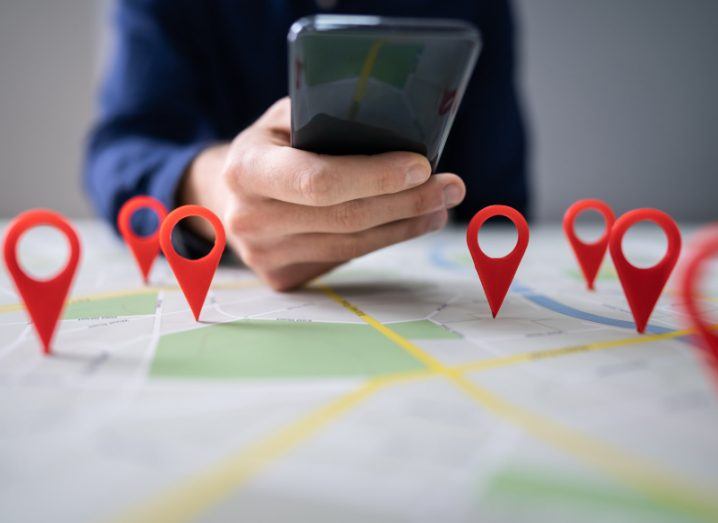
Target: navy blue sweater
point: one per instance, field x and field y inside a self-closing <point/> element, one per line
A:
<point x="184" y="74"/>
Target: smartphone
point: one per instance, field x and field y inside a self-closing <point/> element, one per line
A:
<point x="368" y="84"/>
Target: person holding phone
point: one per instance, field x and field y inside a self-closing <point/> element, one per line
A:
<point x="193" y="109"/>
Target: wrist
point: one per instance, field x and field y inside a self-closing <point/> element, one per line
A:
<point x="198" y="185"/>
<point x="201" y="185"/>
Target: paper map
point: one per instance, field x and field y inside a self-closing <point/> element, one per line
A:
<point x="384" y="392"/>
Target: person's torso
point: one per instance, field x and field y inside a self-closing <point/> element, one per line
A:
<point x="241" y="47"/>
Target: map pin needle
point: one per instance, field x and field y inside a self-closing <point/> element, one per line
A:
<point x="144" y="248"/>
<point x="43" y="299"/>
<point x="643" y="287"/>
<point x="589" y="255"/>
<point x="496" y="274"/>
<point x="194" y="276"/>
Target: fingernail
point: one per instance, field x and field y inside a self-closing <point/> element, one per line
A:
<point x="437" y="221"/>
<point x="452" y="195"/>
<point x="415" y="175"/>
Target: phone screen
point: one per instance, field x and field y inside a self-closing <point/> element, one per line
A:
<point x="388" y="86"/>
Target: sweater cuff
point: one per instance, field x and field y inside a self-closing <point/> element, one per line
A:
<point x="165" y="186"/>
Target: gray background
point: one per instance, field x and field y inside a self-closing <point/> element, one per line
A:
<point x="620" y="97"/>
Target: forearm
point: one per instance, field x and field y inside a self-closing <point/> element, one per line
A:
<point x="151" y="124"/>
<point x="118" y="167"/>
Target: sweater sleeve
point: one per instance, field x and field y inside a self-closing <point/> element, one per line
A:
<point x="150" y="124"/>
<point x="488" y="145"/>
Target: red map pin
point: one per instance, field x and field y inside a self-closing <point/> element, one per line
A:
<point x="589" y="255"/>
<point x="194" y="276"/>
<point x="693" y="271"/>
<point x="496" y="274"/>
<point x="43" y="299"/>
<point x="643" y="287"/>
<point x="144" y="248"/>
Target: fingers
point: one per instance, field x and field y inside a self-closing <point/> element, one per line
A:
<point x="440" y="192"/>
<point x="295" y="176"/>
<point x="293" y="215"/>
<point x="335" y="248"/>
<point x="262" y="164"/>
<point x="287" y="276"/>
<point x="272" y="218"/>
<point x="278" y="116"/>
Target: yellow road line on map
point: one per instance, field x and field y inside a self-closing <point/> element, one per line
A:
<point x="642" y="476"/>
<point x="192" y="497"/>
<point x="208" y="488"/>
<point x="363" y="79"/>
<point x="428" y="360"/>
<point x="653" y="482"/>
<point x="525" y="357"/>
<point x="240" y="284"/>
<point x="188" y="500"/>
<point x="14" y="307"/>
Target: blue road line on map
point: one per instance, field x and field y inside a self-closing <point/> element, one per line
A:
<point x="437" y="257"/>
<point x="556" y="306"/>
<point x="566" y="310"/>
<point x="520" y="288"/>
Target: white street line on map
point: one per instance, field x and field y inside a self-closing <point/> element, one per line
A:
<point x="203" y="490"/>
<point x="9" y="292"/>
<point x="4" y="324"/>
<point x="127" y="395"/>
<point x="216" y="305"/>
<point x="7" y="349"/>
<point x="444" y="305"/>
<point x="255" y="315"/>
<point x="141" y="375"/>
<point x="20" y="374"/>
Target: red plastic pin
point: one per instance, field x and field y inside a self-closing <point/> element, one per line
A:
<point x="693" y="271"/>
<point x="43" y="299"/>
<point x="194" y="276"/>
<point x="589" y="255"/>
<point x="496" y="274"/>
<point x="643" y="287"/>
<point x="144" y="248"/>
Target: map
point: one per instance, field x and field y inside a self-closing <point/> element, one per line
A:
<point x="383" y="392"/>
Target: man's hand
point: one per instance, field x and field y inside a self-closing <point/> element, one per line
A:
<point x="292" y="215"/>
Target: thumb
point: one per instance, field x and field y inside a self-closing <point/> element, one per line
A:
<point x="277" y="117"/>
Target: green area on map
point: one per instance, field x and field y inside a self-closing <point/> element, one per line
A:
<point x="423" y="330"/>
<point x="335" y="58"/>
<point x="462" y="259"/>
<point x="286" y="349"/>
<point x="535" y="489"/>
<point x="128" y="305"/>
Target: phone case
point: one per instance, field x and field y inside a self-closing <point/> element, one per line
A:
<point x="367" y="85"/>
